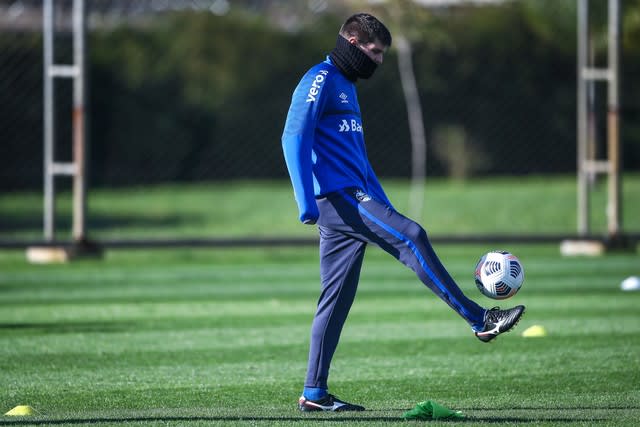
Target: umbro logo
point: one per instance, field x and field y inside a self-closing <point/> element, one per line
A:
<point x="352" y="126"/>
<point x="343" y="98"/>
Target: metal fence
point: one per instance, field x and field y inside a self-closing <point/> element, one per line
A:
<point x="163" y="108"/>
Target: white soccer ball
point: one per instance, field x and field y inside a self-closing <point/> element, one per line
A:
<point x="499" y="274"/>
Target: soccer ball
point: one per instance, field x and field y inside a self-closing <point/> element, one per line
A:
<point x="499" y="274"/>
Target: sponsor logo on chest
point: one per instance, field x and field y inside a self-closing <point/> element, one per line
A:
<point x="352" y="126"/>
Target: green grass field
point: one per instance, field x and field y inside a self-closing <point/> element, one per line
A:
<point x="205" y="337"/>
<point x="508" y="205"/>
<point x="202" y="337"/>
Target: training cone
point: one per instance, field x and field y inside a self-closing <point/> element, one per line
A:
<point x="534" y="331"/>
<point x="631" y="283"/>
<point x="21" y="410"/>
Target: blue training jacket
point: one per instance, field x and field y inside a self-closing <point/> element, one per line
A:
<point x="323" y="140"/>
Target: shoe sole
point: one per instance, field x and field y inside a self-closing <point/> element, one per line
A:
<point x="308" y="409"/>
<point x="314" y="407"/>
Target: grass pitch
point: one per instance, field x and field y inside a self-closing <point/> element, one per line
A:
<point x="205" y="337"/>
<point x="531" y="205"/>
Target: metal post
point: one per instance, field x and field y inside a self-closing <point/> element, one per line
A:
<point x="589" y="166"/>
<point x="613" y="122"/>
<point x="583" y="190"/>
<point x="79" y="128"/>
<point x="77" y="167"/>
<point x="49" y="125"/>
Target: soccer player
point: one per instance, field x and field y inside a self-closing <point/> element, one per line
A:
<point x="336" y="188"/>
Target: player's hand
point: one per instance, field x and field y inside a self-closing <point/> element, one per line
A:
<point x="309" y="214"/>
<point x="309" y="218"/>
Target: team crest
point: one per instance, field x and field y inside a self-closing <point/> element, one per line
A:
<point x="361" y="196"/>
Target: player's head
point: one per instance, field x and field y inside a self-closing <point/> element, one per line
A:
<point x="365" y="29"/>
<point x="361" y="45"/>
<point x="368" y="34"/>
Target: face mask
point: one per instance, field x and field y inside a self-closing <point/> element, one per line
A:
<point x="352" y="61"/>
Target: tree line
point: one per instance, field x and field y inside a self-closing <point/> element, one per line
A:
<point x="194" y="96"/>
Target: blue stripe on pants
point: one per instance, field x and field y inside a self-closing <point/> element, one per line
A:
<point x="347" y="223"/>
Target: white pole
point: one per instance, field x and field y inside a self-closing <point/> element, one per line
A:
<point x="79" y="128"/>
<point x="416" y="127"/>
<point x="49" y="125"/>
<point x="583" y="190"/>
<point x="613" y="123"/>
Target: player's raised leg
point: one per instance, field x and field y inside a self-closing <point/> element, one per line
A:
<point x="408" y="242"/>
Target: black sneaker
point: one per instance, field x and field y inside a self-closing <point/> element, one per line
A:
<point x="497" y="321"/>
<point x="327" y="403"/>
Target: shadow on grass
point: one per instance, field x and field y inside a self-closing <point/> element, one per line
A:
<point x="300" y="419"/>
<point x="26" y="223"/>
<point x="303" y="419"/>
<point x="65" y="327"/>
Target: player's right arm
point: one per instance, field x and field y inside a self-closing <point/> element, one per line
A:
<point x="298" y="138"/>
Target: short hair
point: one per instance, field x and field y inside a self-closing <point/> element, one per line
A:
<point x="366" y="28"/>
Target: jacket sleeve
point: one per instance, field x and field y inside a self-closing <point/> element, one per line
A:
<point x="298" y="139"/>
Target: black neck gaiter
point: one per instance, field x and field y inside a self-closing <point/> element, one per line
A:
<point x="352" y="61"/>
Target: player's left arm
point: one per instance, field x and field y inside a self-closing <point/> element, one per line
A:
<point x="298" y="138"/>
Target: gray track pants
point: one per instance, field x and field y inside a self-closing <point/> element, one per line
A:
<point x="349" y="220"/>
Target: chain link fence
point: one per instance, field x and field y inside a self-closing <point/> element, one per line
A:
<point x="196" y="92"/>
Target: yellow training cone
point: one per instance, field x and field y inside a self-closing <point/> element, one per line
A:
<point x="21" y="410"/>
<point x="534" y="331"/>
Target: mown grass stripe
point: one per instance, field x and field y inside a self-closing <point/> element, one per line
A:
<point x="204" y="337"/>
